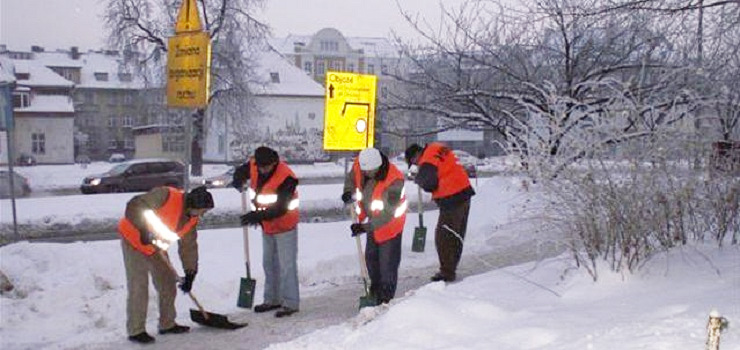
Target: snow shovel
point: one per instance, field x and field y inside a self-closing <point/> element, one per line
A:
<point x="368" y="299"/>
<point x="201" y="316"/>
<point x="246" y="285"/>
<point x="420" y="232"/>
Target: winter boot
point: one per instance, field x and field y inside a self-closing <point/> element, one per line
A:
<point x="266" y="307"/>
<point x="142" y="338"/>
<point x="176" y="329"/>
<point x="285" y="312"/>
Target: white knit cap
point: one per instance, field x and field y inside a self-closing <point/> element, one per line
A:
<point x="370" y="159"/>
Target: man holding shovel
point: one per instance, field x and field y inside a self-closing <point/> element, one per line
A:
<point x="440" y="173"/>
<point x="153" y="221"/>
<point x="375" y="189"/>
<point x="274" y="200"/>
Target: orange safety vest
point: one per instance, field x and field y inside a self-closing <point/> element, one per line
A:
<point x="268" y="197"/>
<point x="170" y="213"/>
<point x="451" y="176"/>
<point x="394" y="227"/>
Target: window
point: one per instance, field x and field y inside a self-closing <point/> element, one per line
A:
<point x="350" y="67"/>
<point x="101" y="76"/>
<point x="320" y="68"/>
<point x="21" y="99"/>
<point x="38" y="143"/>
<point x="172" y="142"/>
<point x="307" y="66"/>
<point x="128" y="143"/>
<point x="384" y="92"/>
<point x="112" y="121"/>
<point x="125" y="77"/>
<point x="311" y="116"/>
<point x="275" y="77"/>
<point x="384" y="69"/>
<point x="22" y="76"/>
<point x="128" y="98"/>
<point x="128" y="121"/>
<point x="89" y="97"/>
<point x="221" y="144"/>
<point x="112" y="144"/>
<point x="327" y="45"/>
<point x="335" y="65"/>
<point x="370" y="69"/>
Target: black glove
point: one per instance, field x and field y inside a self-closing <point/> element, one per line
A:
<point x="347" y="197"/>
<point x="251" y="218"/>
<point x="145" y="237"/>
<point x="240" y="176"/>
<point x="187" y="283"/>
<point x="357" y="229"/>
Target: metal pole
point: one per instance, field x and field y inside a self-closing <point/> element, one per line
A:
<point x="9" y="136"/>
<point x="188" y="151"/>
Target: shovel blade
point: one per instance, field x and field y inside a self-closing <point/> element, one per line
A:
<point x="246" y="293"/>
<point x="368" y="301"/>
<point x="209" y="319"/>
<point x="420" y="237"/>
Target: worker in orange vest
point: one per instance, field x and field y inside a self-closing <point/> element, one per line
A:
<point x="153" y="221"/>
<point x="439" y="172"/>
<point x="375" y="189"/>
<point x="274" y="197"/>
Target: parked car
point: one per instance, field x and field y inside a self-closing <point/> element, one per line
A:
<point x="468" y="161"/>
<point x="117" y="158"/>
<point x="20" y="185"/>
<point x="136" y="175"/>
<point x="25" y="160"/>
<point x="221" y="180"/>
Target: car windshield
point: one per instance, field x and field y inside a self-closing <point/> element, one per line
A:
<point x="118" y="169"/>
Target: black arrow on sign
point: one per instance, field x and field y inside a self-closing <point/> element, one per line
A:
<point x="331" y="90"/>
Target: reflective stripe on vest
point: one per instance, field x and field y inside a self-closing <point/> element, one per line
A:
<point x="395" y="226"/>
<point x="451" y="176"/>
<point x="170" y="213"/>
<point x="267" y="197"/>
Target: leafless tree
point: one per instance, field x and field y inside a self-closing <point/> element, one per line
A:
<point x="143" y="26"/>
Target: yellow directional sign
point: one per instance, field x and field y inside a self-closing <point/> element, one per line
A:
<point x="349" y="113"/>
<point x="188" y="60"/>
<point x="188" y="19"/>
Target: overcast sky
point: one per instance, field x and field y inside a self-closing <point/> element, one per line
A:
<point x="64" y="23"/>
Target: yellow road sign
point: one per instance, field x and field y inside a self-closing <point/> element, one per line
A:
<point x="188" y="70"/>
<point x="349" y="113"/>
<point x="188" y="19"/>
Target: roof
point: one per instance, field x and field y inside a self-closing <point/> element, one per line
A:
<point x="49" y="103"/>
<point x="96" y="62"/>
<point x="39" y="75"/>
<point x="58" y="58"/>
<point x="292" y="80"/>
<point x="371" y="46"/>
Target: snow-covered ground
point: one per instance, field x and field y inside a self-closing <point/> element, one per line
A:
<point x="72" y="295"/>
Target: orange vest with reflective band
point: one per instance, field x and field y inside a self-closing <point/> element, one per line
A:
<point x="394" y="227"/>
<point x="170" y="213"/>
<point x="451" y="176"/>
<point x="285" y="222"/>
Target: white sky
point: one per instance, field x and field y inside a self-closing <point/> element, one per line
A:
<point x="65" y="23"/>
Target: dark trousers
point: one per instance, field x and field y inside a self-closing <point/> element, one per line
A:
<point x="449" y="236"/>
<point x="382" y="266"/>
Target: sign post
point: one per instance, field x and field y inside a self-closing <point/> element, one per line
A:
<point x="188" y="70"/>
<point x="6" y="124"/>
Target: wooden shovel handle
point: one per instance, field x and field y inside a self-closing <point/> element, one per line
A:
<point x="163" y="255"/>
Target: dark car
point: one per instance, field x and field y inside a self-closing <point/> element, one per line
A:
<point x="468" y="161"/>
<point x="218" y="181"/>
<point x="25" y="160"/>
<point x="20" y="184"/>
<point x="136" y="175"/>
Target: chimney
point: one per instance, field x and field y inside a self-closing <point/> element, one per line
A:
<point x="35" y="48"/>
<point x="74" y="52"/>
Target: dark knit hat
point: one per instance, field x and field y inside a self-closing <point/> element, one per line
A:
<point x="411" y="152"/>
<point x="265" y="156"/>
<point x="199" y="198"/>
